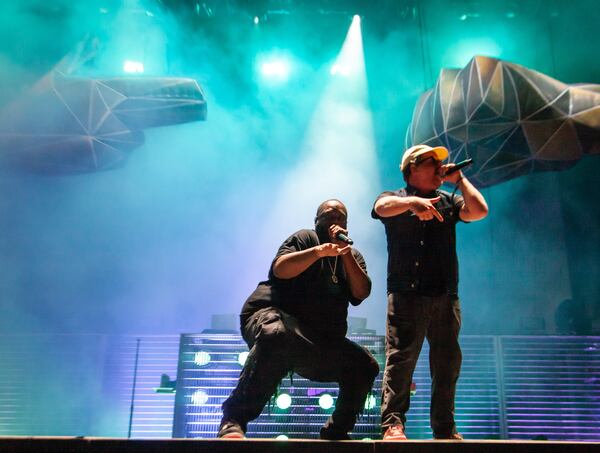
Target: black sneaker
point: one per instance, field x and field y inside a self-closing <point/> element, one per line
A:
<point x="231" y="430"/>
<point x="451" y="436"/>
<point x="331" y="434"/>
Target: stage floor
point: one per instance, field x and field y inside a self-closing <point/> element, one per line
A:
<point x="105" y="445"/>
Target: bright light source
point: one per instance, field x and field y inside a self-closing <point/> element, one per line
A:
<point x="283" y="401"/>
<point x="202" y="358"/>
<point x="199" y="398"/>
<point x="243" y="357"/>
<point x="462" y="51"/>
<point x="370" y="402"/>
<point x="326" y="401"/>
<point x="256" y="20"/>
<point x="356" y="18"/>
<point x="282" y="437"/>
<point x="274" y="67"/>
<point x="133" y="66"/>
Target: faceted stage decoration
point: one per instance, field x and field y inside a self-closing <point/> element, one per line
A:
<point x="69" y="125"/>
<point x="511" y="120"/>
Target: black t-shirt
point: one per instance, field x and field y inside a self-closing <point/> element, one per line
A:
<point x="311" y="297"/>
<point x="422" y="255"/>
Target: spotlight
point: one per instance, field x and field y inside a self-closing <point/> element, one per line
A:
<point x="278" y="69"/>
<point x="242" y="357"/>
<point x="282" y="437"/>
<point x="274" y="67"/>
<point x="256" y="20"/>
<point x="199" y="398"/>
<point x="326" y="401"/>
<point x="283" y="401"/>
<point x="133" y="66"/>
<point x="202" y="358"/>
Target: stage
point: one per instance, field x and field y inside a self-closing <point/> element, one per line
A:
<point x="97" y="445"/>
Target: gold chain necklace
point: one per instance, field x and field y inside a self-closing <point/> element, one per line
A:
<point x="334" y="278"/>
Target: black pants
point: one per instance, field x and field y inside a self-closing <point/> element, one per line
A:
<point x="280" y="344"/>
<point x="411" y="318"/>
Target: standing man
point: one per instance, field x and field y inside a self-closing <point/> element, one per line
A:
<point x="422" y="285"/>
<point x="296" y="321"/>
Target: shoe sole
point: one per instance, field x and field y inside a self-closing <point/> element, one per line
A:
<point x="233" y="436"/>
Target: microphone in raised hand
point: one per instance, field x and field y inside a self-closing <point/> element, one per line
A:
<point x="458" y="166"/>
<point x="344" y="238"/>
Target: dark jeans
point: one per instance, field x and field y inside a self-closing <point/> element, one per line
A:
<point x="280" y="344"/>
<point x="411" y="318"/>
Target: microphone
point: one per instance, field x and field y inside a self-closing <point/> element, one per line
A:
<point x="459" y="165"/>
<point x="342" y="237"/>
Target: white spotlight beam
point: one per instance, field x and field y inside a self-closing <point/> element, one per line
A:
<point x="338" y="151"/>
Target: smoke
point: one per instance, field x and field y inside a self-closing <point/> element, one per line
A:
<point x="190" y="224"/>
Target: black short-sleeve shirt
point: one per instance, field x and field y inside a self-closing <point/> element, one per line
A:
<point x="311" y="297"/>
<point x="422" y="255"/>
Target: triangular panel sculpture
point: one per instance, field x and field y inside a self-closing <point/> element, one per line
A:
<point x="511" y="120"/>
<point x="69" y="125"/>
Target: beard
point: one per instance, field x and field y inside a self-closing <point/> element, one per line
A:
<point x="323" y="233"/>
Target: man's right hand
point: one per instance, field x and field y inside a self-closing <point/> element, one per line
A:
<point x="330" y="249"/>
<point x="424" y="208"/>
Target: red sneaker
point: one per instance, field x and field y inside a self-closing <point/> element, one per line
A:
<point x="394" y="432"/>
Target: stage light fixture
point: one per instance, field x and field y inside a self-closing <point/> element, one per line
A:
<point x="283" y="401"/>
<point x="370" y="402"/>
<point x="133" y="66"/>
<point x="202" y="358"/>
<point x="326" y="401"/>
<point x="199" y="398"/>
<point x="242" y="357"/>
<point x="166" y="384"/>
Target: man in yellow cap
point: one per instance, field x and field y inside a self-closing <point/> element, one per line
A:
<point x="422" y="285"/>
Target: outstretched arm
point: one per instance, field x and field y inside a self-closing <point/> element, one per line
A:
<point x="393" y="205"/>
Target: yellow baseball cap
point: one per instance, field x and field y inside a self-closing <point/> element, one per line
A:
<point x="411" y="154"/>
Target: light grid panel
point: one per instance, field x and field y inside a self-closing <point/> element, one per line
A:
<point x="477" y="396"/>
<point x="552" y="387"/>
<point x="203" y="386"/>
<point x="153" y="412"/>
